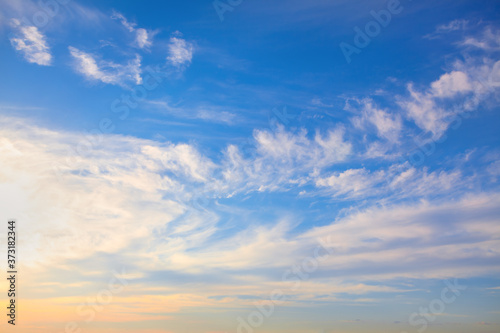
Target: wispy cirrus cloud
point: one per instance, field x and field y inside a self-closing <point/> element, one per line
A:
<point x="93" y="68"/>
<point x="388" y="126"/>
<point x="467" y="84"/>
<point x="143" y="37"/>
<point x="108" y="186"/>
<point x="455" y="25"/>
<point x="489" y="40"/>
<point x="452" y="26"/>
<point x="31" y="43"/>
<point x="207" y="113"/>
<point x="396" y="183"/>
<point x="280" y="159"/>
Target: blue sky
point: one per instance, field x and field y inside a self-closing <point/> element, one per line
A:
<point x="210" y="153"/>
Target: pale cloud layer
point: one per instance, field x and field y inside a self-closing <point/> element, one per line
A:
<point x="86" y="206"/>
<point x="100" y="194"/>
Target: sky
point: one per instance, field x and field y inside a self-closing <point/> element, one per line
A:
<point x="251" y="166"/>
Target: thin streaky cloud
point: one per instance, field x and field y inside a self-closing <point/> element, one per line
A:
<point x="106" y="71"/>
<point x="143" y="37"/>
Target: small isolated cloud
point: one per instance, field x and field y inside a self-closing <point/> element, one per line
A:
<point x="180" y="51"/>
<point x="452" y="26"/>
<point x="106" y="71"/>
<point x="319" y="103"/>
<point x="143" y="37"/>
<point x="32" y="43"/>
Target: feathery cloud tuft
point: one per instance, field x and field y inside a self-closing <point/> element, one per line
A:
<point x="32" y="43"/>
<point x="180" y="51"/>
<point x="106" y="71"/>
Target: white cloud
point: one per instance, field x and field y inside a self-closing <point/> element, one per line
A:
<point x="451" y="84"/>
<point x="388" y="126"/>
<point x="488" y="41"/>
<point x="319" y="103"/>
<point x="424" y="107"/>
<point x="423" y="110"/>
<point x="413" y="183"/>
<point x="378" y="243"/>
<point x="452" y="26"/>
<point x="397" y="240"/>
<point x="216" y="115"/>
<point x="466" y="85"/>
<point x="118" y="16"/>
<point x="143" y="37"/>
<point x="494" y="169"/>
<point x="106" y="71"/>
<point x="352" y="182"/>
<point x="128" y="198"/>
<point x="180" y="51"/>
<point x="99" y="197"/>
<point x="275" y="161"/>
<point x="205" y="112"/>
<point x="283" y="146"/>
<point x="32" y="43"/>
<point x="184" y="159"/>
<point x="397" y="182"/>
<point x="494" y="77"/>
